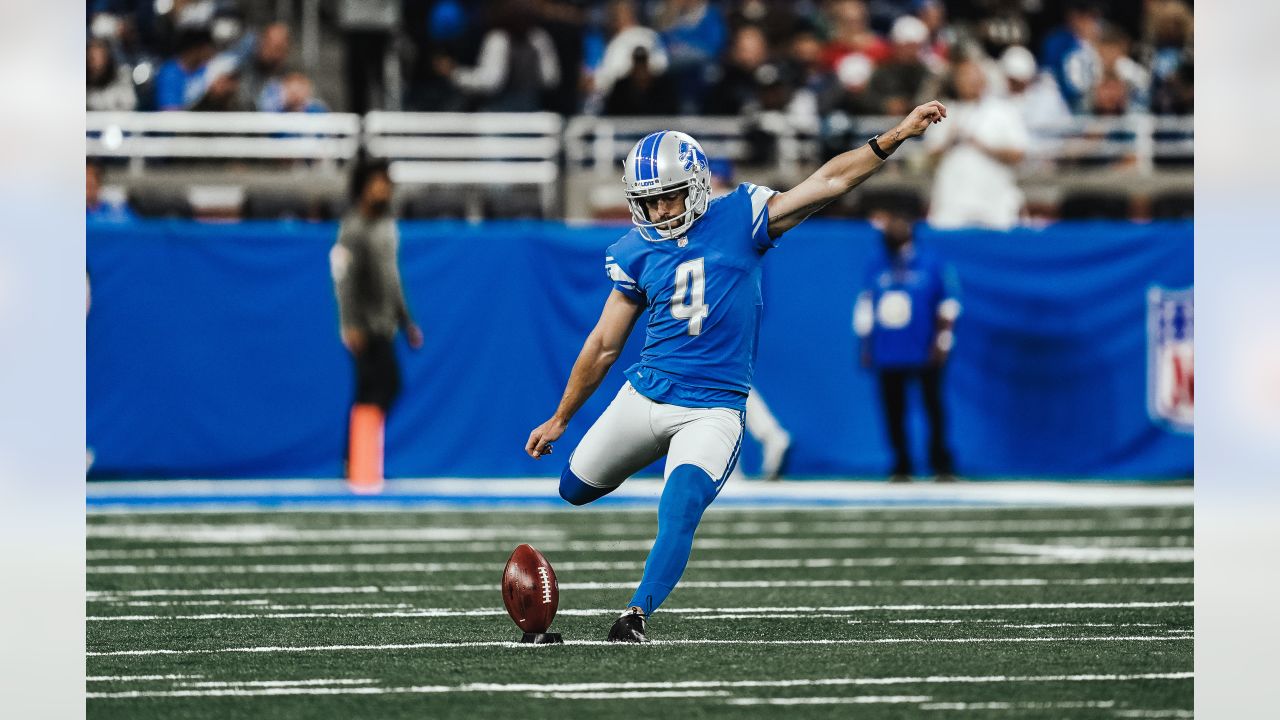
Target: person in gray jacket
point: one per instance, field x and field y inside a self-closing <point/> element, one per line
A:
<point x="371" y="308"/>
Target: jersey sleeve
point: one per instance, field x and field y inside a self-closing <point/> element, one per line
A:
<point x="757" y="197"/>
<point x="622" y="281"/>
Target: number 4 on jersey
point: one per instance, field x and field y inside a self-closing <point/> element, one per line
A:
<point x="691" y="285"/>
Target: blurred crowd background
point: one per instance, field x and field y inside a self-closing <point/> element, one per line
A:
<point x="1102" y="91"/>
<point x="636" y="57"/>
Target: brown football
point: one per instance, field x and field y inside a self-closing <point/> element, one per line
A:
<point x="529" y="590"/>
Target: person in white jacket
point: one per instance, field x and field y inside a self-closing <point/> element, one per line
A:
<point x="628" y="34"/>
<point x="978" y="152"/>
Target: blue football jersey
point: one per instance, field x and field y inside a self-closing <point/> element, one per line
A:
<point x="703" y="296"/>
<point x="905" y="294"/>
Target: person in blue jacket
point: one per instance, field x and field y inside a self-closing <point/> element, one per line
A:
<point x="905" y="317"/>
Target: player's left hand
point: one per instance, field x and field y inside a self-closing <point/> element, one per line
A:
<point x="921" y="118"/>
<point x="413" y="334"/>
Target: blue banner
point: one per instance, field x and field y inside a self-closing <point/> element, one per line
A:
<point x="213" y="350"/>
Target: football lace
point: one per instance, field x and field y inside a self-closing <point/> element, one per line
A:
<point x="546" y="586"/>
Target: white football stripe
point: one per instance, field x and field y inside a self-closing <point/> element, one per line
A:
<point x="687" y="684"/>
<point x="1127" y="556"/>
<point x="485" y="612"/>
<point x="139" y="678"/>
<point x="117" y="595"/>
<point x="632" y="695"/>
<point x="618" y="546"/>
<point x="852" y="700"/>
<point x="656" y="643"/>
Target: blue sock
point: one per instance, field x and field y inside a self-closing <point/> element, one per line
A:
<point x="577" y="492"/>
<point x="689" y="490"/>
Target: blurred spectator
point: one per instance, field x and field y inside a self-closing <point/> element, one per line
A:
<point x="108" y="86"/>
<point x="854" y="75"/>
<point x="903" y="81"/>
<point x="1110" y="97"/>
<point x="883" y="13"/>
<point x="737" y="89"/>
<point x="180" y="81"/>
<point x="628" y="35"/>
<point x="1034" y="93"/>
<point x="851" y="33"/>
<point x="195" y="79"/>
<point x="292" y="93"/>
<point x="96" y="208"/>
<point x="517" y="64"/>
<point x="941" y="38"/>
<point x="694" y="33"/>
<point x="904" y="319"/>
<point x="641" y="91"/>
<point x="978" y="148"/>
<point x="1069" y="51"/>
<point x="817" y="91"/>
<point x="265" y="66"/>
<point x="1169" y="33"/>
<point x="1113" y="53"/>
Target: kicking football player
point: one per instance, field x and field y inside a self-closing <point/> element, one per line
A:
<point x="694" y="264"/>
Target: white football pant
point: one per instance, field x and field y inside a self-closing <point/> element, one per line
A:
<point x="634" y="432"/>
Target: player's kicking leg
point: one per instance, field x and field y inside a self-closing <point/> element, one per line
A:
<point x="619" y="444"/>
<point x="704" y="447"/>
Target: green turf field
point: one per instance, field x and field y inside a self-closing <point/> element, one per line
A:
<point x="908" y="613"/>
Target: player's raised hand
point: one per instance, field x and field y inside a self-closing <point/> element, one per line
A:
<point x="921" y="118"/>
<point x="542" y="436"/>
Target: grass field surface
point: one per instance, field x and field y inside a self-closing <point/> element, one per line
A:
<point x="1050" y="612"/>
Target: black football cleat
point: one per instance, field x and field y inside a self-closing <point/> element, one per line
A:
<point x="629" y="627"/>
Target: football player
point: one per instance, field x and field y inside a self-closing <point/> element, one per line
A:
<point x="694" y="264"/>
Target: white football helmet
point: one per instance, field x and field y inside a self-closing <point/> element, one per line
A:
<point x="660" y="163"/>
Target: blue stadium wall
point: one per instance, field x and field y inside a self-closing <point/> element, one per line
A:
<point x="213" y="349"/>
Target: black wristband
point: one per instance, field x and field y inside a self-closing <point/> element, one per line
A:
<point x="875" y="148"/>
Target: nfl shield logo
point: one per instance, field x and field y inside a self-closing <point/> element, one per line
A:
<point x="1170" y="358"/>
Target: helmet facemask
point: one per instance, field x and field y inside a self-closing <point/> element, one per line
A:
<point x="695" y="204"/>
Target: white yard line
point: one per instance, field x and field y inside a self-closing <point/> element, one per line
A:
<point x="1138" y="556"/>
<point x="797" y="494"/>
<point x="139" y="678"/>
<point x="276" y="532"/>
<point x="118" y="595"/>
<point x="259" y="692"/>
<point x="632" y="695"/>
<point x="486" y="612"/>
<point x="848" y="700"/>
<point x="632" y="687"/>
<point x="622" y="545"/>
<point x="1060" y="705"/>
<point x="1091" y="554"/>
<point x="276" y="683"/>
<point x="657" y="643"/>
<point x="1155" y="713"/>
<point x="258" y="533"/>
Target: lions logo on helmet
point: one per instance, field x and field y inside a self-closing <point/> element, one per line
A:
<point x="691" y="157"/>
<point x="661" y="163"/>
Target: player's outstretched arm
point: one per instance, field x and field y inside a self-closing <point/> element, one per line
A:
<point x="846" y="171"/>
<point x="598" y="354"/>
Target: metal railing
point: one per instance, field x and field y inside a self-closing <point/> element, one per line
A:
<point x="143" y="137"/>
<point x="546" y="152"/>
<point x="495" y="149"/>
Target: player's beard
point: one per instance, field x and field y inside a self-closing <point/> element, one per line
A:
<point x="378" y="208"/>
